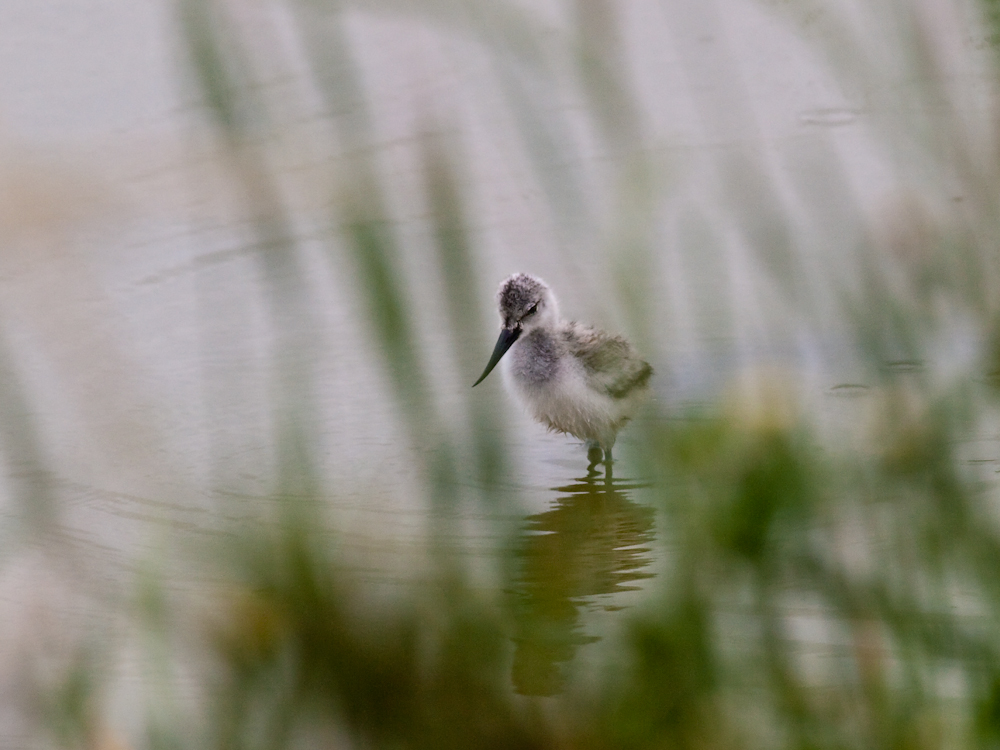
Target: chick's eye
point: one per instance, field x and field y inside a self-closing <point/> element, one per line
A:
<point x="531" y="310"/>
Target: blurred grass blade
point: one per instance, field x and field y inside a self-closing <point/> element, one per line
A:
<point x="464" y="301"/>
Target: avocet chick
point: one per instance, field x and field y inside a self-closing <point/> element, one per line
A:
<point x="573" y="378"/>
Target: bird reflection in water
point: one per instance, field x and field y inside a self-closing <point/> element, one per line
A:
<point x="592" y="542"/>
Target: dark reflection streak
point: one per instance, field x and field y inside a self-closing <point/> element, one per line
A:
<point x="592" y="542"/>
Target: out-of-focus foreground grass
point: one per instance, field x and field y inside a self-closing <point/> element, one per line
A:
<point x="783" y="539"/>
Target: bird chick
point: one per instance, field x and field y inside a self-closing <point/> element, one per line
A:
<point x="573" y="378"/>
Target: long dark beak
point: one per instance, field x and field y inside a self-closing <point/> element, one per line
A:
<point x="507" y="338"/>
